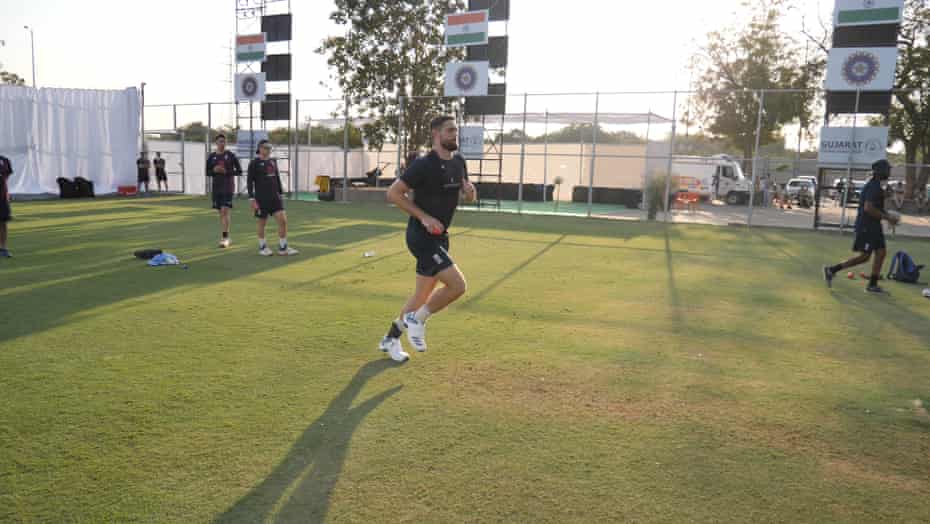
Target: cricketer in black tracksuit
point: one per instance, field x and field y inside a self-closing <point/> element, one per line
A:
<point x="264" y="185"/>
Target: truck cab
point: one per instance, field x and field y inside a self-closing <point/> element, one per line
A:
<point x="719" y="177"/>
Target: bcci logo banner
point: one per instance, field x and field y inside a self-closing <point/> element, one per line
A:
<point x="250" y="87"/>
<point x="865" y="69"/>
<point x="467" y="79"/>
<point x="860" y="69"/>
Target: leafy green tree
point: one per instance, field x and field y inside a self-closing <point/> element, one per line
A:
<point x="389" y="50"/>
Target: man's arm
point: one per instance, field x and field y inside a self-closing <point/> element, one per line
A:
<point x="250" y="180"/>
<point x="873" y="205"/>
<point x="397" y="195"/>
<point x="873" y="211"/>
<point x="468" y="189"/>
<point x="208" y="169"/>
<point x="237" y="166"/>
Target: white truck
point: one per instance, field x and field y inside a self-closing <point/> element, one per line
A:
<point x="712" y="178"/>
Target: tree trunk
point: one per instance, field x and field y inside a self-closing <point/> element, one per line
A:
<point x="747" y="159"/>
<point x="910" y="158"/>
<point x="924" y="172"/>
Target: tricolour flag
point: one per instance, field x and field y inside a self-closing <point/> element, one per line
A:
<point x="250" y="48"/>
<point x="466" y="29"/>
<point x="868" y="12"/>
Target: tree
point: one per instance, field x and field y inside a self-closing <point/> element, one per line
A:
<point x="9" y="78"/>
<point x="737" y="62"/>
<point x="391" y="50"/>
<point x="909" y="117"/>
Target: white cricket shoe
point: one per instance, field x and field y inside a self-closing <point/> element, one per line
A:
<point x="416" y="332"/>
<point x="224" y="243"/>
<point x="265" y="252"/>
<point x="393" y="347"/>
<point x="288" y="252"/>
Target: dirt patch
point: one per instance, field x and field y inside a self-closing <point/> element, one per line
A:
<point x="863" y="472"/>
<point x="550" y="392"/>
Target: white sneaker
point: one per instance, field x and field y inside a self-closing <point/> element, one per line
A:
<point x="289" y="252"/>
<point x="416" y="332"/>
<point x="224" y="243"/>
<point x="265" y="252"/>
<point x="393" y="347"/>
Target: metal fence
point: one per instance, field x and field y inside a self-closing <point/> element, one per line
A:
<point x="618" y="155"/>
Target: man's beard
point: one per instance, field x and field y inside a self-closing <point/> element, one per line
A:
<point x="450" y="146"/>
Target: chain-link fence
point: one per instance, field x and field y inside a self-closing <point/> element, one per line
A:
<point x="626" y="156"/>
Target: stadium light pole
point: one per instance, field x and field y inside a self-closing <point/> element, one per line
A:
<point x="142" y="116"/>
<point x="32" y="40"/>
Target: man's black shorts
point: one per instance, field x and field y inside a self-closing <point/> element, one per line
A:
<point x="162" y="176"/>
<point x="5" y="213"/>
<point x="143" y="177"/>
<point x="221" y="200"/>
<point x="268" y="207"/>
<point x="869" y="241"/>
<point x="431" y="252"/>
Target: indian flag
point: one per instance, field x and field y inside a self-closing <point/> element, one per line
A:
<point x="250" y="48"/>
<point x="868" y="12"/>
<point x="466" y="29"/>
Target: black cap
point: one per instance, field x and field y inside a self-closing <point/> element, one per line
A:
<point x="881" y="167"/>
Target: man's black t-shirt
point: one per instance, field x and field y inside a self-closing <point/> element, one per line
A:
<point x="872" y="192"/>
<point x="159" y="166"/>
<point x="142" y="164"/>
<point x="436" y="185"/>
<point x="6" y="170"/>
<point x="264" y="180"/>
<point x="224" y="183"/>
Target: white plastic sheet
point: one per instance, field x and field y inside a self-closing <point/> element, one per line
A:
<point x="52" y="133"/>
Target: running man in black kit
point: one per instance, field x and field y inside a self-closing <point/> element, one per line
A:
<point x="437" y="180"/>
<point x="265" y="190"/>
<point x="870" y="238"/>
<point x="223" y="166"/>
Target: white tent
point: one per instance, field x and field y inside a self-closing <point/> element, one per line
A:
<point x="52" y="133"/>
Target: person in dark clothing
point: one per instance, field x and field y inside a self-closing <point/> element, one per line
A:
<point x="223" y="166"/>
<point x="438" y="180"/>
<point x="265" y="190"/>
<point x="6" y="214"/>
<point x="870" y="239"/>
<point x="161" y="176"/>
<point x="142" y="167"/>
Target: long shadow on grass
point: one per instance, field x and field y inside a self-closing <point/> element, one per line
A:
<point x="677" y="320"/>
<point x="301" y="485"/>
<point x="484" y="292"/>
<point x="54" y="296"/>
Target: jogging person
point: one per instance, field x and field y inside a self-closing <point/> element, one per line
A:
<point x="265" y="190"/>
<point x="161" y="176"/>
<point x="6" y="171"/>
<point x="142" y="168"/>
<point x="223" y="167"/>
<point x="437" y="180"/>
<point x="870" y="239"/>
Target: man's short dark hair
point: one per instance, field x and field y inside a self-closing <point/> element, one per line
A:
<point x="261" y="143"/>
<point x="219" y="136"/>
<point x="439" y="121"/>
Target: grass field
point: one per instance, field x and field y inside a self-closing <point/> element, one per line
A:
<point x="596" y="371"/>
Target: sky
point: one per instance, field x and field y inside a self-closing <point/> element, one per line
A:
<point x="179" y="48"/>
